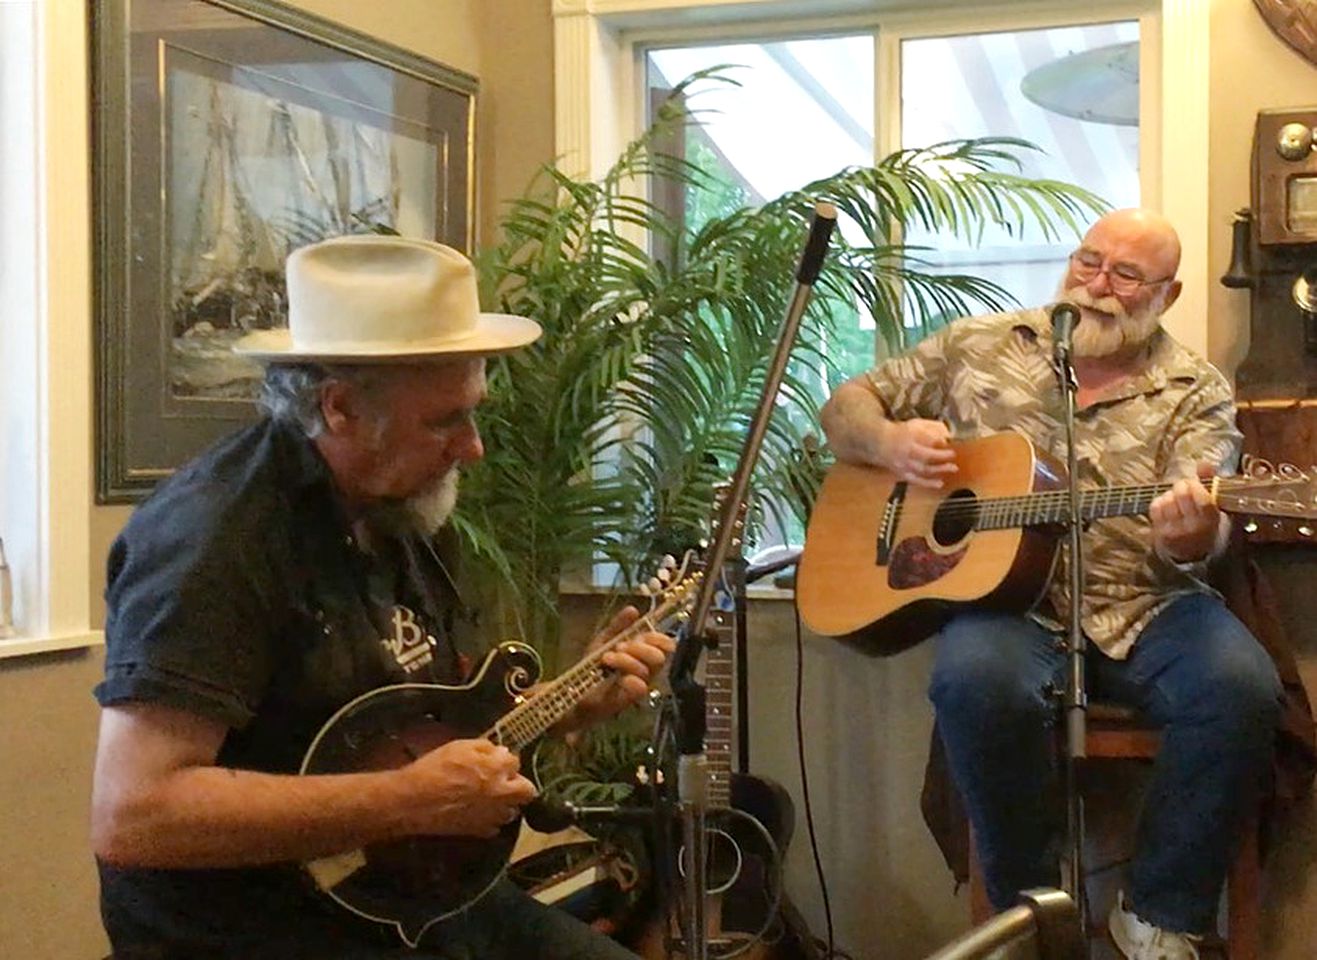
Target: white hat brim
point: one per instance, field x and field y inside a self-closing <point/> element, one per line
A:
<point x="494" y="333"/>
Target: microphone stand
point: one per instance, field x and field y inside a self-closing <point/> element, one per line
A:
<point x="1076" y="695"/>
<point x="688" y="695"/>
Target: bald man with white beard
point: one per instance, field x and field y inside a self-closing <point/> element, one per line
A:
<point x="1161" y="640"/>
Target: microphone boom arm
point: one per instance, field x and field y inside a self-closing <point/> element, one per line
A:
<point x="811" y="262"/>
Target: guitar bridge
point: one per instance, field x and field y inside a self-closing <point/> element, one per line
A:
<point x="891" y="517"/>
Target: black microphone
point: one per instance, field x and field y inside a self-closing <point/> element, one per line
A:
<point x="1064" y="317"/>
<point x="550" y="816"/>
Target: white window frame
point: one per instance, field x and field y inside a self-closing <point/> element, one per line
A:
<point x="46" y="366"/>
<point x="597" y="81"/>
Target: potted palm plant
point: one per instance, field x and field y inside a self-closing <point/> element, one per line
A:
<point x="606" y="437"/>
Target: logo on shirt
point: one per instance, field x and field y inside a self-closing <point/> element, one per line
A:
<point x="410" y="645"/>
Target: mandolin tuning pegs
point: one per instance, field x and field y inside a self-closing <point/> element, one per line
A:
<point x="669" y="562"/>
<point x="1305" y="530"/>
<point x="664" y="574"/>
<point x="655" y="585"/>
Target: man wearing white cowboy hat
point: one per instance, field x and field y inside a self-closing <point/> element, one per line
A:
<point x="279" y="575"/>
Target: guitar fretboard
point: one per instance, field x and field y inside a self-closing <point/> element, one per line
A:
<point x="719" y="689"/>
<point x="1053" y="506"/>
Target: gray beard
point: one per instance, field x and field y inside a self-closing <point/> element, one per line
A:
<point x="1124" y="334"/>
<point x="422" y="514"/>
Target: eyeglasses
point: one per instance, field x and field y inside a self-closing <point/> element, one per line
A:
<point x="1123" y="278"/>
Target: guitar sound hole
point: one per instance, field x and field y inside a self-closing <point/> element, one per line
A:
<point x="955" y="518"/>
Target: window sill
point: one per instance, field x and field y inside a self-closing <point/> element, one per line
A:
<point x="582" y="589"/>
<point x="23" y="646"/>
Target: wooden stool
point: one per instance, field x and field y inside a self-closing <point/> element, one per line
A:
<point x="1116" y="733"/>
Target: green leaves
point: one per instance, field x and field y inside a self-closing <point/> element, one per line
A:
<point x="604" y="439"/>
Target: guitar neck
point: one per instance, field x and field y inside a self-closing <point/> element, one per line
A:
<point x="1053" y="506"/>
<point x="719" y="711"/>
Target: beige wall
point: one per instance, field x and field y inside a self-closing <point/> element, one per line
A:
<point x="892" y="897"/>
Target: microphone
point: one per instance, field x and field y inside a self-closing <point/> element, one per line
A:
<point x="550" y="816"/>
<point x="1064" y="317"/>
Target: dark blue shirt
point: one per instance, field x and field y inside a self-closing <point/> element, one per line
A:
<point x="237" y="593"/>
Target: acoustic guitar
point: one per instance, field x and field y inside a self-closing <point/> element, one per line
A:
<point x="885" y="563"/>
<point x="414" y="883"/>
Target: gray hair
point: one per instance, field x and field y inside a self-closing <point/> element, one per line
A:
<point x="290" y="392"/>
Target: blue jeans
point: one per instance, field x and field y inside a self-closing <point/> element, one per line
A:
<point x="1195" y="671"/>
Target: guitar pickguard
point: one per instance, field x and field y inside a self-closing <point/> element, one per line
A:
<point x="914" y="563"/>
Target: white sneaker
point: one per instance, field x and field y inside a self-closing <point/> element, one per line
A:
<point x="1140" y="940"/>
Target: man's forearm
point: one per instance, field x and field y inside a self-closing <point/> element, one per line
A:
<point x="855" y="424"/>
<point x="218" y="817"/>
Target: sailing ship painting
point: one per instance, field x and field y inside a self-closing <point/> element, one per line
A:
<point x="253" y="176"/>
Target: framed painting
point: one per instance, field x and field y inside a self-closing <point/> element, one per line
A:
<point x="227" y="133"/>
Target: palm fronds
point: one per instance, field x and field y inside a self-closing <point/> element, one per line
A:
<point x="604" y="439"/>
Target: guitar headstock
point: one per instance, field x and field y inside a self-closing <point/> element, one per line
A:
<point x="1266" y="489"/>
<point x="737" y="518"/>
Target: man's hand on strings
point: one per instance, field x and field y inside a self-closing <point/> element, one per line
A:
<point x="636" y="661"/>
<point x="918" y="451"/>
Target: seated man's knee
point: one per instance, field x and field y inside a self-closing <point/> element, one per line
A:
<point x="1250" y="688"/>
<point x="986" y="663"/>
<point x="1239" y="684"/>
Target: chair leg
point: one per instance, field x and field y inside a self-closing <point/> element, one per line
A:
<point x="1244" y="897"/>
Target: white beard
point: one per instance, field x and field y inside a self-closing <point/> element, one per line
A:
<point x="430" y="509"/>
<point x="1121" y="333"/>
<point x="422" y="514"/>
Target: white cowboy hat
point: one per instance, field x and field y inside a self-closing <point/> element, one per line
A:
<point x="378" y="299"/>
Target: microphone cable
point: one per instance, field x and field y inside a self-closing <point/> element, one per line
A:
<point x="831" y="949"/>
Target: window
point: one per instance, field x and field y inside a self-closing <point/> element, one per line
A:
<point x="819" y="92"/>
<point x="45" y="350"/>
<point x="803" y="107"/>
<point x="19" y="474"/>
<point x="600" y="62"/>
<point x="1072" y="91"/>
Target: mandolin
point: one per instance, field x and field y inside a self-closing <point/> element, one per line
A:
<point x="885" y="562"/>
<point x="414" y="883"/>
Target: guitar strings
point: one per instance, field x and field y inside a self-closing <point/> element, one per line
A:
<point x="1095" y="498"/>
<point x="531" y="718"/>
